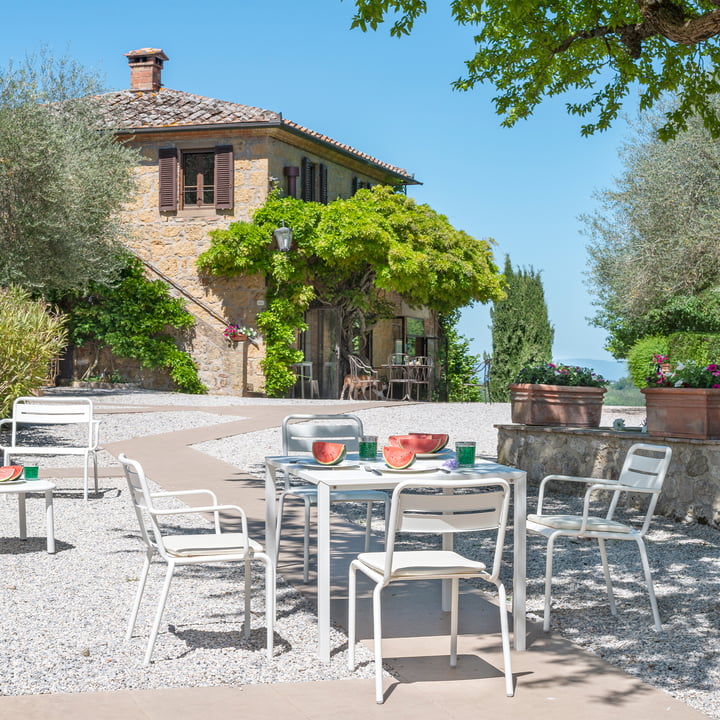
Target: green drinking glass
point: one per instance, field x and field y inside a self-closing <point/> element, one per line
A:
<point x="465" y="453"/>
<point x="367" y="447"/>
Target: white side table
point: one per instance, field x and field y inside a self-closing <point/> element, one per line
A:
<point x="32" y="486"/>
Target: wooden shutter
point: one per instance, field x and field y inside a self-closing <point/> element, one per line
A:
<point x="307" y="180"/>
<point x="355" y="184"/>
<point x="168" y="179"/>
<point x="323" y="184"/>
<point x="224" y="184"/>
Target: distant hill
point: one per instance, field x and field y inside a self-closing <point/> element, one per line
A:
<point x="610" y="369"/>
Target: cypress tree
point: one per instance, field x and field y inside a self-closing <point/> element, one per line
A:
<point x="521" y="331"/>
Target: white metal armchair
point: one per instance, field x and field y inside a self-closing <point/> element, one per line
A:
<point x="439" y="512"/>
<point x="297" y="438"/>
<point x="192" y="549"/>
<point x="643" y="472"/>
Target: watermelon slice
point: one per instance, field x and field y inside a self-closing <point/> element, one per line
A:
<point x="328" y="453"/>
<point x="397" y="458"/>
<point x="10" y="472"/>
<point x="415" y="442"/>
<point x="442" y="439"/>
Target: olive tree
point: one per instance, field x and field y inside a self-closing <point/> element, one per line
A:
<point x="63" y="180"/>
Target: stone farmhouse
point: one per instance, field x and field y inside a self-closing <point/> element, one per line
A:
<point x="206" y="163"/>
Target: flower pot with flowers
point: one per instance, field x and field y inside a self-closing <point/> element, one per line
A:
<point x="683" y="400"/>
<point x="239" y="333"/>
<point x="559" y="395"/>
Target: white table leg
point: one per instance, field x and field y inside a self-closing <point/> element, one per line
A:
<point x="270" y="516"/>
<point x="519" y="562"/>
<point x="22" y="517"/>
<point x="323" y="571"/>
<point x="50" y="521"/>
<point x="448" y="543"/>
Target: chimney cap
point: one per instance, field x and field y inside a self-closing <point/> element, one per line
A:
<point x="144" y="52"/>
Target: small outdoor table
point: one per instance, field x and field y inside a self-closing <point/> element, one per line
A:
<point x="327" y="480"/>
<point x="21" y="489"/>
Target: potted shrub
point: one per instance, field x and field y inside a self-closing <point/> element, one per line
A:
<point x="683" y="400"/>
<point x="553" y="394"/>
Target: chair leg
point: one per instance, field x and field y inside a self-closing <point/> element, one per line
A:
<point x="455" y="591"/>
<point x="648" y="580"/>
<point x="548" y="582"/>
<point x="248" y="589"/>
<point x="158" y="614"/>
<point x="352" y="588"/>
<point x="377" y="631"/>
<point x="306" y="543"/>
<point x="278" y="525"/>
<point x="368" y="526"/>
<point x="269" y="603"/>
<point x="85" y="476"/>
<point x="502" y="599"/>
<point x="94" y="457"/>
<point x="608" y="581"/>
<point x="138" y="595"/>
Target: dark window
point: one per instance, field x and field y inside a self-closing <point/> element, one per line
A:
<point x="206" y="178"/>
<point x="313" y="181"/>
<point x="198" y="183"/>
<point x="358" y="184"/>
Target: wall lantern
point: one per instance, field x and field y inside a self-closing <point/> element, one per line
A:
<point x="283" y="237"/>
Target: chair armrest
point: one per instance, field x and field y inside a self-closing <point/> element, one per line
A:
<point x="179" y="493"/>
<point x="214" y="509"/>
<point x="565" y="478"/>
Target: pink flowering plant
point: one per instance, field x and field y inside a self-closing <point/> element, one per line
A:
<point x="689" y="374"/>
<point x="558" y="374"/>
<point x="232" y="330"/>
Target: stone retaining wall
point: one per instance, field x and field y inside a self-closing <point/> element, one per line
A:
<point x="692" y="486"/>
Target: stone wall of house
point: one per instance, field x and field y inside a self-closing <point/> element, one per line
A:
<point x="172" y="241"/>
<point x="692" y="485"/>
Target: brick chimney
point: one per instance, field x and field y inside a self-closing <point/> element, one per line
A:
<point x="146" y="68"/>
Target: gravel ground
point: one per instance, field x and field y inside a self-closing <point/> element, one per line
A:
<point x="73" y="605"/>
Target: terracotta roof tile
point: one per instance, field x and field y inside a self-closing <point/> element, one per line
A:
<point x="143" y="109"/>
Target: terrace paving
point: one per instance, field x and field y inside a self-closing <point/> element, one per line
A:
<point x="554" y="678"/>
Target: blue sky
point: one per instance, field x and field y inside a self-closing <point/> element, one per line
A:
<point x="525" y="186"/>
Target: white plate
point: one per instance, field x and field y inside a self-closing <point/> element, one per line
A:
<point x="408" y="470"/>
<point x="12" y="482"/>
<point x="429" y="456"/>
<point x="317" y="466"/>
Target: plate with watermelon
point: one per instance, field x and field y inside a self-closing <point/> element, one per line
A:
<point x="399" y="460"/>
<point x="423" y="445"/>
<point x="327" y="455"/>
<point x="10" y="474"/>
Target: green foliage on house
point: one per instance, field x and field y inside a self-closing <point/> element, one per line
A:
<point x="348" y="255"/>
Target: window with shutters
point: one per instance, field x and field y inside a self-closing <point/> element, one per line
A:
<point x="204" y="178"/>
<point x="313" y="181"/>
<point x="358" y="184"/>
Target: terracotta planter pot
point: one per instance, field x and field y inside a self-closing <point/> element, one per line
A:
<point x="556" y="405"/>
<point x="683" y="412"/>
<point x="237" y="337"/>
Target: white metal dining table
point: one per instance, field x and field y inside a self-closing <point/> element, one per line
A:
<point x="352" y="476"/>
<point x="21" y="488"/>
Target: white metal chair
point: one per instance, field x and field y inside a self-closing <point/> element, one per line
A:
<point x="37" y="412"/>
<point x="442" y="510"/>
<point x="297" y="438"/>
<point x="192" y="548"/>
<point x="643" y="472"/>
<point x="361" y="379"/>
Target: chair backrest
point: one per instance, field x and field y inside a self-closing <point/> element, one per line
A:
<point x="142" y="503"/>
<point x="645" y="466"/>
<point x="358" y="367"/>
<point x="51" y="411"/>
<point x="298" y="436"/>
<point x="449" y="506"/>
